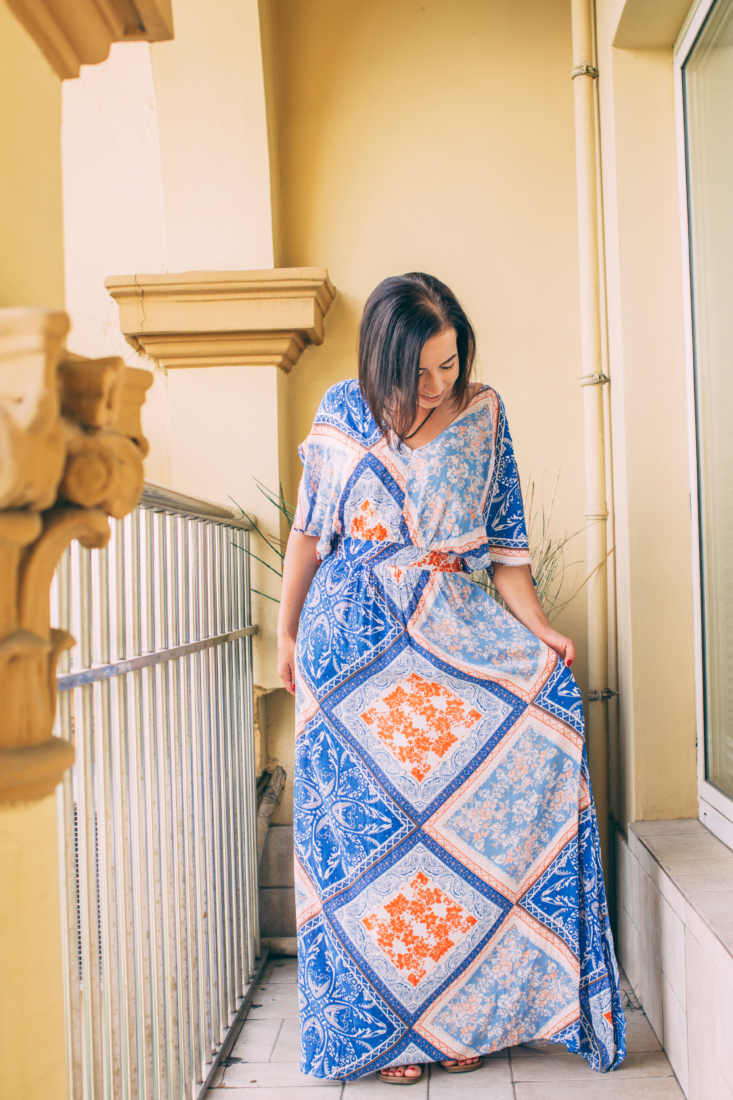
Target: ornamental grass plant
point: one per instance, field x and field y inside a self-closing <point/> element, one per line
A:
<point x="549" y="567"/>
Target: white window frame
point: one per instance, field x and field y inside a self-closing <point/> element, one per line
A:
<point x="715" y="808"/>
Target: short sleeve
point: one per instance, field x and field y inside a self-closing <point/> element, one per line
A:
<point x="505" y="526"/>
<point x="506" y="532"/>
<point x="325" y="463"/>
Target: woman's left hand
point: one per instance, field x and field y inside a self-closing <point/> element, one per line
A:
<point x="516" y="587"/>
<point x="563" y="646"/>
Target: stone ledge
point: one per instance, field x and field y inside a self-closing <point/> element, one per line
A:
<point x="675" y="943"/>
<point x="698" y="864"/>
<point x="281" y="945"/>
<point x="224" y="318"/>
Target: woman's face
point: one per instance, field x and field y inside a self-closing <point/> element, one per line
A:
<point x="439" y="368"/>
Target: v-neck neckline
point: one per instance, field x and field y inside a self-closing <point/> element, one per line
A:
<point x="462" y="413"/>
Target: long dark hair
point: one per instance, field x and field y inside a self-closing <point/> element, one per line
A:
<point x="402" y="313"/>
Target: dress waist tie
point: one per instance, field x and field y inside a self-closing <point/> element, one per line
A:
<point x="397" y="555"/>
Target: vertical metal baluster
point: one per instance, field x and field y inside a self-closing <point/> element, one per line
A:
<point x="175" y="743"/>
<point x="240" y="721"/>
<point x="222" y="730"/>
<point x="196" y="956"/>
<point x="68" y="848"/>
<point x="87" y="834"/>
<point x="104" y="823"/>
<point x="138" y="711"/>
<point x="231" y="758"/>
<point x="152" y="836"/>
<point x="126" y="589"/>
<point x="207" y="712"/>
<point x="216" y="770"/>
<point x="239" y="687"/>
<point x="234" y="983"/>
<point x="250" y="766"/>
<point x="121" y="939"/>
<point x="207" y="1005"/>
<point x="216" y="787"/>
<point x="167" y="802"/>
<point x="235" y="969"/>
<point x="239" y="731"/>
<point x="216" y="806"/>
<point x="239" y="973"/>
<point x="245" y="835"/>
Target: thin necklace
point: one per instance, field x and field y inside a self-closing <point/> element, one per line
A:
<point x="417" y="429"/>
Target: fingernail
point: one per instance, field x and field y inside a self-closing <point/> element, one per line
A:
<point x="568" y="663"/>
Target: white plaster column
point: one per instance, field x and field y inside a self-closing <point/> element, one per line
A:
<point x="212" y="126"/>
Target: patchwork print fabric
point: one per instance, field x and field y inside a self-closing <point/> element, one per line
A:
<point x="448" y="880"/>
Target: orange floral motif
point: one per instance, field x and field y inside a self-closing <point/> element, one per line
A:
<point x="418" y="926"/>
<point x="439" y="561"/>
<point x="367" y="525"/>
<point x="420" y="721"/>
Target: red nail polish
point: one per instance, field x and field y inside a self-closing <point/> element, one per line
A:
<point x="568" y="663"/>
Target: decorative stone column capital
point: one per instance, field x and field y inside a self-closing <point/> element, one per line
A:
<point x="224" y="318"/>
<point x="71" y="454"/>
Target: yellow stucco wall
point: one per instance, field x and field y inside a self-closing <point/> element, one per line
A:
<point x="32" y="1045"/>
<point x="440" y="136"/>
<point x="657" y="774"/>
<point x="657" y="486"/>
<point x="31" y="255"/>
<point x="32" y="1036"/>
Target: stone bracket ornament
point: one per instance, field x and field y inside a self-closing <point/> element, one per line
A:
<point x="72" y="33"/>
<point x="71" y="454"/>
<point x="224" y="318"/>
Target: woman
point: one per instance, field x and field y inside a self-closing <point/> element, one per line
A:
<point x="448" y="883"/>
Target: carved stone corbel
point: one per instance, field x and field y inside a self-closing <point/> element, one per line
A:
<point x="71" y="454"/>
<point x="224" y="318"/>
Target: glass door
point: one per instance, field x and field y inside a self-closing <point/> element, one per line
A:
<point x="707" y="87"/>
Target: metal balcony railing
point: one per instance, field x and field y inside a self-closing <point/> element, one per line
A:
<point x="158" y="815"/>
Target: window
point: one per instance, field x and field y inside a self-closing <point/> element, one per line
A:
<point x="706" y="68"/>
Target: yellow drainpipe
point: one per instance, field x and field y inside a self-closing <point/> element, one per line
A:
<point x="593" y="379"/>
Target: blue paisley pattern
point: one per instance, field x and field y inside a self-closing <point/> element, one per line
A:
<point x="449" y="888"/>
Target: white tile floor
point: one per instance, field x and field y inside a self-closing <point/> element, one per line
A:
<point x="266" y="1057"/>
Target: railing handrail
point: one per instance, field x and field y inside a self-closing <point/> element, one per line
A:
<point x="161" y="498"/>
<point x="65" y="681"/>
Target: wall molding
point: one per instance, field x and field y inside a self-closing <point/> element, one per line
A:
<point x="72" y="33"/>
<point x="224" y="318"/>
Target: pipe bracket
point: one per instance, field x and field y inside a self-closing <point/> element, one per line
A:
<point x="600" y="696"/>
<point x="585" y="70"/>
<point x="594" y="379"/>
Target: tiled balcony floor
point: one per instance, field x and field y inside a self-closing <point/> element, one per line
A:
<point x="266" y="1058"/>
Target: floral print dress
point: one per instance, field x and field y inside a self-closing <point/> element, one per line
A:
<point x="448" y="879"/>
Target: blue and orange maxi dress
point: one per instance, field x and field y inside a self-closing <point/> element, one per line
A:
<point x="448" y="880"/>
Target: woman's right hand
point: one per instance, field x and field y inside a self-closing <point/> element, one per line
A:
<point x="299" y="568"/>
<point x="286" y="662"/>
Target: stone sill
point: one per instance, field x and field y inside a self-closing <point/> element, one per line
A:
<point x="675" y="943"/>
<point x="699" y="867"/>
